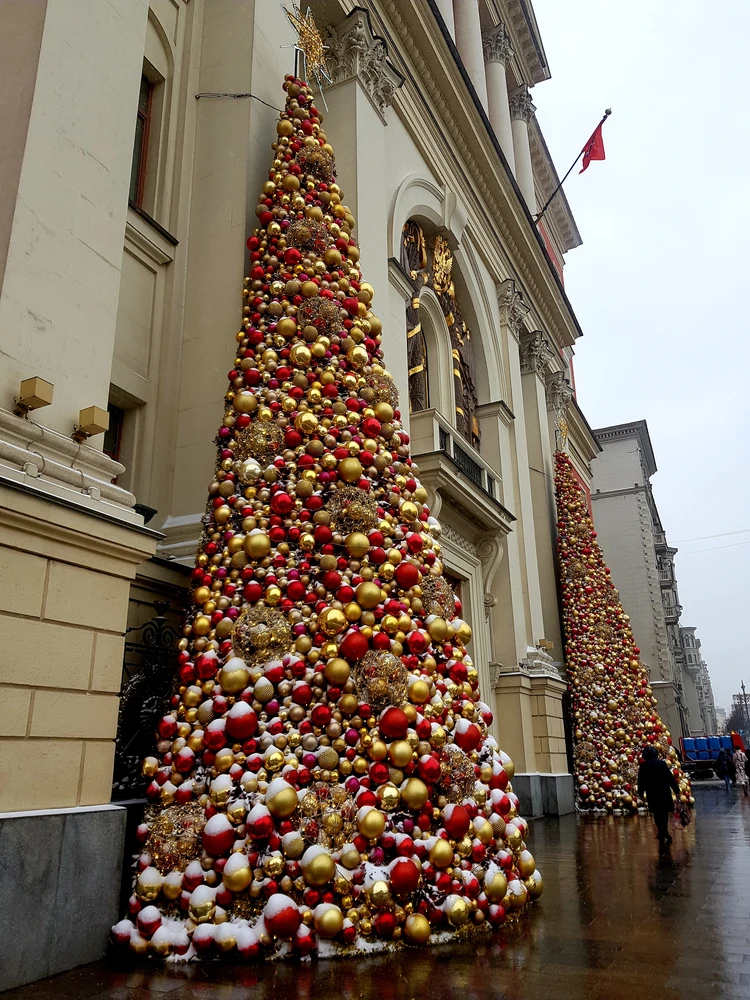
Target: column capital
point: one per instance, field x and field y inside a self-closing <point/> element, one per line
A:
<point x="496" y="44"/>
<point x="558" y="392"/>
<point x="521" y="105"/>
<point x="535" y="353"/>
<point x="513" y="309"/>
<point x="354" y="51"/>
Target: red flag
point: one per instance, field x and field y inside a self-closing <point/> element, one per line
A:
<point x="594" y="148"/>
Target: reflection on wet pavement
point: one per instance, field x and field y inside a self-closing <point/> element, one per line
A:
<point x="620" y="918"/>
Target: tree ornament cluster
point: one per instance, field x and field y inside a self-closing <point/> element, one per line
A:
<point x="325" y="780"/>
<point x="613" y="704"/>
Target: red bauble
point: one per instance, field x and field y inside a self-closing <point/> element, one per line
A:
<point x="456" y="821"/>
<point x="242" y="722"/>
<point x="467" y="735"/>
<point x="393" y="724"/>
<point x="407" y="575"/>
<point x="354" y="645"/>
<point x="404" y="876"/>
<point x="281" y="916"/>
<point x="218" y="835"/>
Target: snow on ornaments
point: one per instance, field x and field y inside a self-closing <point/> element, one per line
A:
<point x="325" y="780"/>
<point x="614" y="708"/>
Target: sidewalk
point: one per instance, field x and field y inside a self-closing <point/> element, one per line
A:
<point x="618" y="919"/>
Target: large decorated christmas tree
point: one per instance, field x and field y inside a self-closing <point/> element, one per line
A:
<point x="613" y="704"/>
<point x="325" y="779"/>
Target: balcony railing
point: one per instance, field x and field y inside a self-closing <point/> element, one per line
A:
<point x="432" y="432"/>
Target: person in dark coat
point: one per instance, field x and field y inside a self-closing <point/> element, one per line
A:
<point x="657" y="783"/>
<point x="723" y="769"/>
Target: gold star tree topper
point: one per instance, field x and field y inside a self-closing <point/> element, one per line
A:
<point x="310" y="44"/>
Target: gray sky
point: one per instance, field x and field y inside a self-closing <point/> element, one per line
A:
<point x="660" y="285"/>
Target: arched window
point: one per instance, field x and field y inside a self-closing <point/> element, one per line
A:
<point x="429" y="263"/>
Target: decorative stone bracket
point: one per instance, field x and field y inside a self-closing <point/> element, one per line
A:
<point x="355" y="51"/>
<point x="537" y="661"/>
<point x="513" y="309"/>
<point x="490" y="550"/>
<point x="535" y="353"/>
<point x="496" y="45"/>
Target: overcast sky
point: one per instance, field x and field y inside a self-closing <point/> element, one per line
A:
<point x="661" y="284"/>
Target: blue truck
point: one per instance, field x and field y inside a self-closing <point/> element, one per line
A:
<point x="699" y="753"/>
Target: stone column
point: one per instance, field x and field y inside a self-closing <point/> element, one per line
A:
<point x="521" y="110"/>
<point x="446" y="11"/>
<point x="497" y="52"/>
<point x="469" y="44"/>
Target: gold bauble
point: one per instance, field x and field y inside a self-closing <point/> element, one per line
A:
<point x="368" y="595"/>
<point x="263" y="690"/>
<point x="535" y="885"/>
<point x="518" y="894"/>
<point x="526" y="864"/>
<point x="463" y="633"/>
<point x="245" y="402"/>
<point x="419" y="692"/>
<point x="417" y="929"/>
<point x="202" y="909"/>
<point x="286" y="327"/>
<point x="284" y="127"/>
<point x="224" y="759"/>
<point x="149" y="767"/>
<point x="148" y="885"/>
<point x="201" y="595"/>
<point x="357" y="356"/>
<point x="437" y="628"/>
<point x="414" y="793"/>
<point x="483" y="829"/>
<point x="510" y="768"/>
<point x="201" y="625"/>
<point x="456" y="910"/>
<point x="400" y="753"/>
<point x="371" y="824"/>
<point x="318" y="868"/>
<point x="234" y="676"/>
<point x="328" y="920"/>
<point x="379" y="893"/>
<point x="331" y="621"/>
<point x="172" y="887"/>
<point x="349" y="469"/>
<point x="441" y="853"/>
<point x="408" y="511"/>
<point x="300" y="355"/>
<point x="357" y="544"/>
<point x="378" y="750"/>
<point x="388" y="796"/>
<point x="282" y="802"/>
<point x="293" y="844"/>
<point x="350" y="857"/>
<point x="257" y="544"/>
<point x="495" y="886"/>
<point x="237" y="873"/>
<point x="309" y="289"/>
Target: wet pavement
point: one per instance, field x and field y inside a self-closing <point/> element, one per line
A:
<point x="620" y="918"/>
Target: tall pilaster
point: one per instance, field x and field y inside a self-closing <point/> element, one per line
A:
<point x="469" y="44"/>
<point x="364" y="82"/>
<point x="521" y="110"/>
<point x="497" y="52"/>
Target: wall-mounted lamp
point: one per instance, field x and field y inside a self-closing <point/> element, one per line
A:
<point x="93" y="420"/>
<point x="33" y="393"/>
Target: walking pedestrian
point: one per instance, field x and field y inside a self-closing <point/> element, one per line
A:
<point x="740" y="765"/>
<point x="723" y="769"/>
<point x="657" y="783"/>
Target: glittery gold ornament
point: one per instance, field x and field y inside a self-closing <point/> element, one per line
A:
<point x="261" y="633"/>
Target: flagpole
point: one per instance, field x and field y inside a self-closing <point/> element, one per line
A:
<point x="547" y="204"/>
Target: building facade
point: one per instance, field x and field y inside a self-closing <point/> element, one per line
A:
<point x="139" y="139"/>
<point x="642" y="562"/>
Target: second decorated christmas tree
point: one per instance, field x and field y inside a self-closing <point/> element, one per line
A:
<point x="613" y="704"/>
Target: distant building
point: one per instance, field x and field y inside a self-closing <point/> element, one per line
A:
<point x="642" y="563"/>
<point x="721" y="720"/>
